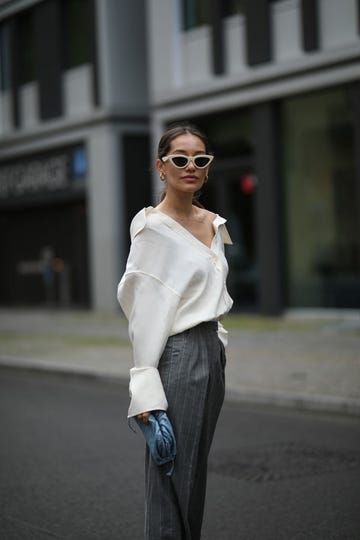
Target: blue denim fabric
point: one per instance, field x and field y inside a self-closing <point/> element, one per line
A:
<point x="160" y="438"/>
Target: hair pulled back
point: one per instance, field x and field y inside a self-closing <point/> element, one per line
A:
<point x="174" y="131"/>
<point x="177" y="130"/>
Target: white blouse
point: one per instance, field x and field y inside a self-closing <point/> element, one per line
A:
<point x="172" y="282"/>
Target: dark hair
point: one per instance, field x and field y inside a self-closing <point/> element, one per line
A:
<point x="177" y="130"/>
<point x="171" y="134"/>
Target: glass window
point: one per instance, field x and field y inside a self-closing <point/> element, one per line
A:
<point x="230" y="133"/>
<point x="76" y="32"/>
<point x="321" y="214"/>
<point x="195" y="13"/>
<point x="5" y="74"/>
<point x="233" y="7"/>
<point x="26" y="46"/>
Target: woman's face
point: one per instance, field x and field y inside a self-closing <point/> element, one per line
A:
<point x="189" y="179"/>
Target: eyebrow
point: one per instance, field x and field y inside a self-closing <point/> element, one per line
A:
<point x="177" y="150"/>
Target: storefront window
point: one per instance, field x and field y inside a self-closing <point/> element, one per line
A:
<point x="231" y="192"/>
<point x="320" y="200"/>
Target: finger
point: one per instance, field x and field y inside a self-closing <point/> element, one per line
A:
<point x="143" y="417"/>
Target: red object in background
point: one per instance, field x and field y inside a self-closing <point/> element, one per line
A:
<point x="248" y="183"/>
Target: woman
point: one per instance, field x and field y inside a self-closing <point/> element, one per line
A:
<point x="174" y="293"/>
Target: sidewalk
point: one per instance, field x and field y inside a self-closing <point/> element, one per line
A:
<point x="300" y="360"/>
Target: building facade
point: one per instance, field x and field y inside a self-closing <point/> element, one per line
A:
<point x="74" y="124"/>
<point x="86" y="89"/>
<point x="275" y="85"/>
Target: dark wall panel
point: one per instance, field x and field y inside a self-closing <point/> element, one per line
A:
<point x="14" y="61"/>
<point x="218" y="44"/>
<point x="355" y="95"/>
<point x="269" y="209"/>
<point x="93" y="53"/>
<point x="136" y="151"/>
<point x="49" y="58"/>
<point x="310" y="25"/>
<point x="258" y="32"/>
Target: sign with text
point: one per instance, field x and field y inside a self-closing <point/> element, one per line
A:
<point x="40" y="174"/>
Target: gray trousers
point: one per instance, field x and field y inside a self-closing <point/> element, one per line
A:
<point x="192" y="371"/>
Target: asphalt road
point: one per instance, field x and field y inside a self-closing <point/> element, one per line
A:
<point x="70" y="468"/>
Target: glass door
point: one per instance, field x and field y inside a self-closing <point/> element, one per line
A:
<point x="231" y="193"/>
<point x="323" y="266"/>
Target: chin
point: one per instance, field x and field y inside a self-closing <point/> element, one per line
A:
<point x="192" y="190"/>
<point x="191" y="186"/>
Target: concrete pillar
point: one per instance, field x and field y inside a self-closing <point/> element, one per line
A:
<point x="106" y="209"/>
<point x="157" y="129"/>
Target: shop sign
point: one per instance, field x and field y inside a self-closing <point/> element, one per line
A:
<point x="34" y="176"/>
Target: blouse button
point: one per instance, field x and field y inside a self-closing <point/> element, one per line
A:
<point x="216" y="263"/>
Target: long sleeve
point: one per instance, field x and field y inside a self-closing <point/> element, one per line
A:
<point x="150" y="307"/>
<point x="172" y="282"/>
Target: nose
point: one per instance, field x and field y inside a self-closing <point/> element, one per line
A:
<point x="191" y="166"/>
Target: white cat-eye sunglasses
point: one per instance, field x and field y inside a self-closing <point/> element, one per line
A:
<point x="201" y="161"/>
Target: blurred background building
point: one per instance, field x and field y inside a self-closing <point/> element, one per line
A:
<point x="87" y="87"/>
<point x="74" y="125"/>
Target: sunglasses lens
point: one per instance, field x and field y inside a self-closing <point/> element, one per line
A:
<point x="202" y="161"/>
<point x="180" y="161"/>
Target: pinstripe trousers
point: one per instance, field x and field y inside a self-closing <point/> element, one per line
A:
<point x="192" y="372"/>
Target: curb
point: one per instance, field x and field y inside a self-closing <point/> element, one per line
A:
<point x="292" y="400"/>
<point x="13" y="364"/>
<point x="320" y="403"/>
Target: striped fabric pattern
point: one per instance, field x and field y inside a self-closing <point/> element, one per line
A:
<point x="192" y="372"/>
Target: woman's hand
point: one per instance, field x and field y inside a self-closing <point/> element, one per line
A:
<point x="144" y="417"/>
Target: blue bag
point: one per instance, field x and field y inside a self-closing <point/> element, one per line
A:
<point x="160" y="438"/>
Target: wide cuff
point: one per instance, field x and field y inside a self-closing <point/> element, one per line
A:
<point x="146" y="391"/>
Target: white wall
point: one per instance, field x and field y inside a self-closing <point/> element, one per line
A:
<point x="197" y="61"/>
<point x="287" y="33"/>
<point x="339" y="23"/>
<point x="122" y="53"/>
<point x="235" y="44"/>
<point x="5" y="112"/>
<point x="165" y="46"/>
<point x="29" y="105"/>
<point x="77" y="90"/>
